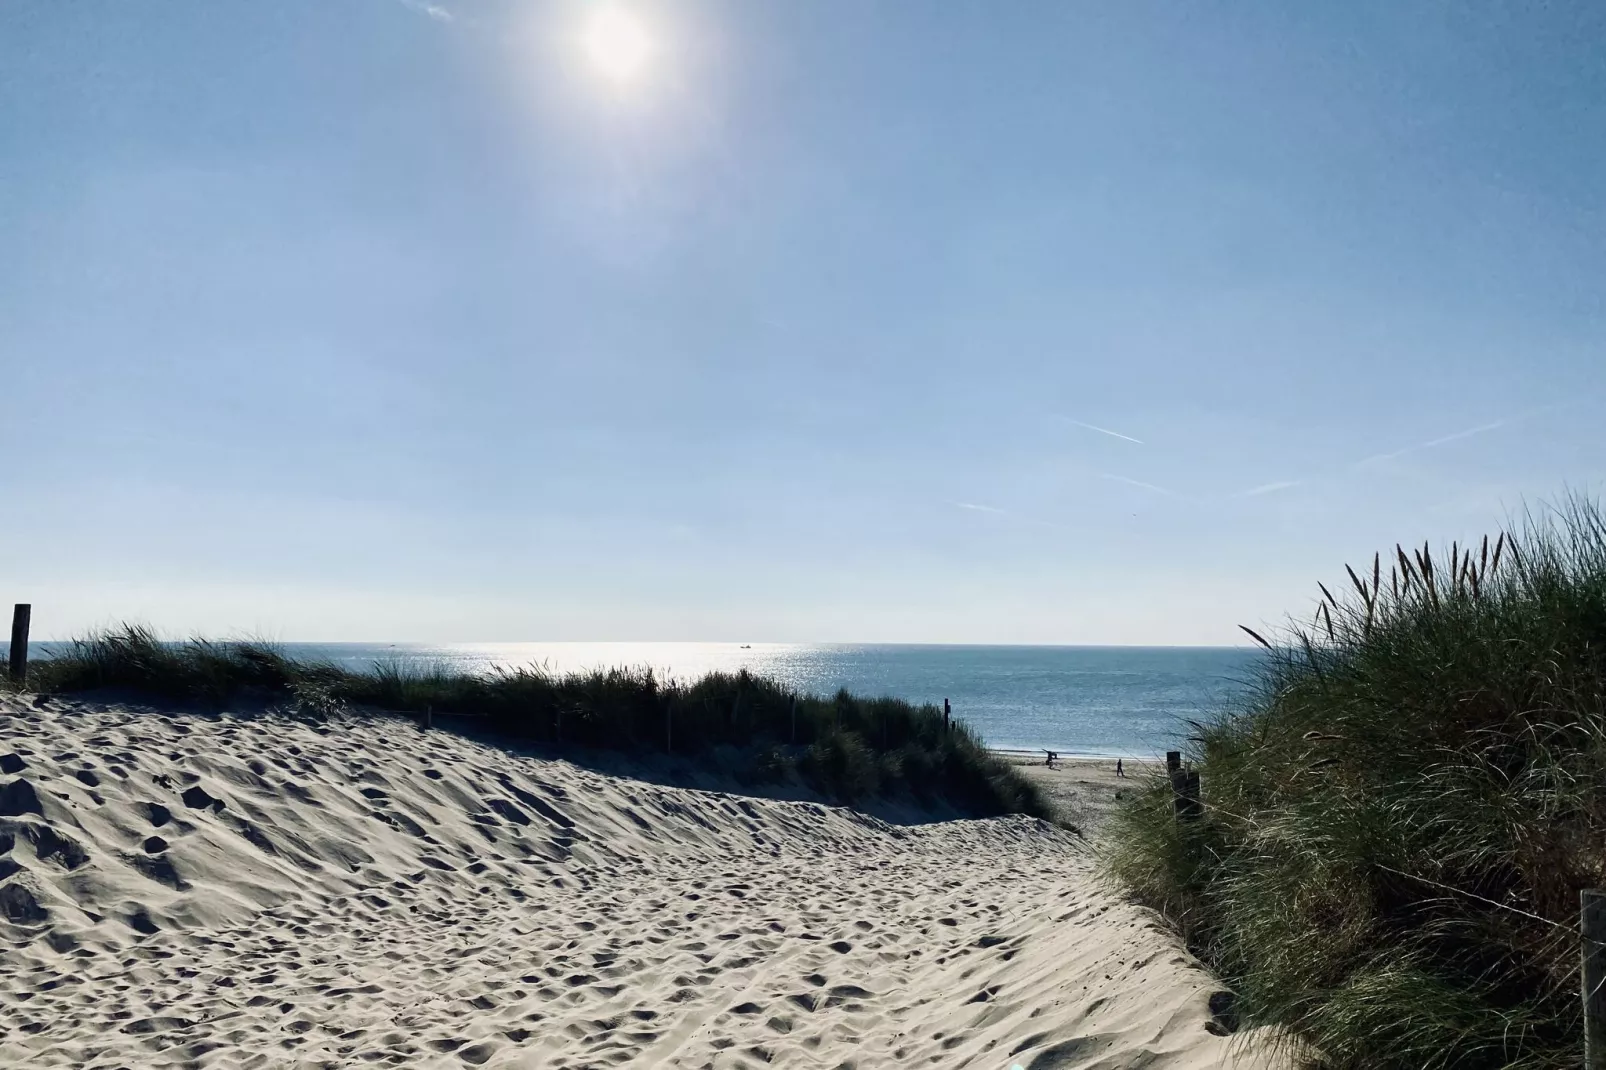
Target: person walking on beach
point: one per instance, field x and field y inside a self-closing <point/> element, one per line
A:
<point x="1118" y="770"/>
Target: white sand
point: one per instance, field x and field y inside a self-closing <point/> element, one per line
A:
<point x="374" y="895"/>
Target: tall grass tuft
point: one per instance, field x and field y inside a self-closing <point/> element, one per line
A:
<point x="1398" y="823"/>
<point x="849" y="748"/>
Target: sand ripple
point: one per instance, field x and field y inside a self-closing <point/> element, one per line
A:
<point x="257" y="892"/>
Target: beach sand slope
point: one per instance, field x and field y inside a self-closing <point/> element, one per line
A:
<point x="180" y="891"/>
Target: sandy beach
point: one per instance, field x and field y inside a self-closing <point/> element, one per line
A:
<point x="1082" y="791"/>
<point x="184" y="890"/>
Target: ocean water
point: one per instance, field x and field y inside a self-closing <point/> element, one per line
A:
<point x="1105" y="701"/>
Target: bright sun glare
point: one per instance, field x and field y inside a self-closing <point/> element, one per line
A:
<point x="617" y="45"/>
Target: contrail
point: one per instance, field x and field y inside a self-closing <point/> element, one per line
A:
<point x="1268" y="488"/>
<point x="977" y="508"/>
<point x="1139" y="483"/>
<point x="1105" y="431"/>
<point x="1468" y="433"/>
<point x="1441" y="440"/>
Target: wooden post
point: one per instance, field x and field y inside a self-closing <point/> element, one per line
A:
<point x="669" y="727"/>
<point x="19" y="642"/>
<point x="1173" y="773"/>
<point x="946" y="711"/>
<point x="1592" y="935"/>
<point x="1185" y="792"/>
<point x="429" y="717"/>
<point x="794" y="718"/>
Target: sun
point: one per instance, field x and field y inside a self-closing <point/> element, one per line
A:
<point x="617" y="45"/>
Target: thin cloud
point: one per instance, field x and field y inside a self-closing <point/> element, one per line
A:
<point x="977" y="508"/>
<point x="1139" y="483"/>
<point x="434" y="11"/>
<point x="1268" y="488"/>
<point x="1104" y="431"/>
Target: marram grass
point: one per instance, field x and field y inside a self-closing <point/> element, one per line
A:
<point x="1399" y="822"/>
<point x="848" y="748"/>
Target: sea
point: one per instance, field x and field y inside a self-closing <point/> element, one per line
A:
<point x="1130" y="702"/>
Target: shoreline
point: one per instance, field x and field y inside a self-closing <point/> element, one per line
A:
<point x="1084" y="791"/>
<point x="1072" y="755"/>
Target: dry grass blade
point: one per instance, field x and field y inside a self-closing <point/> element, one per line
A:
<point x="1311" y="659"/>
<point x="1255" y="636"/>
<point x="1430" y="581"/>
<point x="1358" y="584"/>
<point x="1368" y="595"/>
<point x="1407" y="570"/>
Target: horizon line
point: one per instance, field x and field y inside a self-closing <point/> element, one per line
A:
<point x="36" y="641"/>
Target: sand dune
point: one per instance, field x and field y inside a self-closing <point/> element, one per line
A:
<point x="190" y="891"/>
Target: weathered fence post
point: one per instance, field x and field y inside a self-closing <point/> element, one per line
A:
<point x="946" y="711"/>
<point x="1189" y="804"/>
<point x="19" y="642"/>
<point x="429" y="717"/>
<point x="1592" y="937"/>
<point x="669" y="727"/>
<point x="794" y="717"/>
<point x="1178" y="779"/>
<point x="1184" y="786"/>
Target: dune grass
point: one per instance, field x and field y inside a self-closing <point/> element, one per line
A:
<point x="848" y="748"/>
<point x="1398" y="824"/>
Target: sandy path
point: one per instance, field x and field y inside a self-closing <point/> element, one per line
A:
<point x="189" y="891"/>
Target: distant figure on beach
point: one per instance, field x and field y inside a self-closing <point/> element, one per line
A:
<point x="1051" y="757"/>
<point x="1118" y="770"/>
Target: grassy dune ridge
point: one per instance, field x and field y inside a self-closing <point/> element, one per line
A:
<point x="848" y="748"/>
<point x="1400" y="821"/>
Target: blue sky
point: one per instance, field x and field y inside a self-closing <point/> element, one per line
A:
<point x="840" y="320"/>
